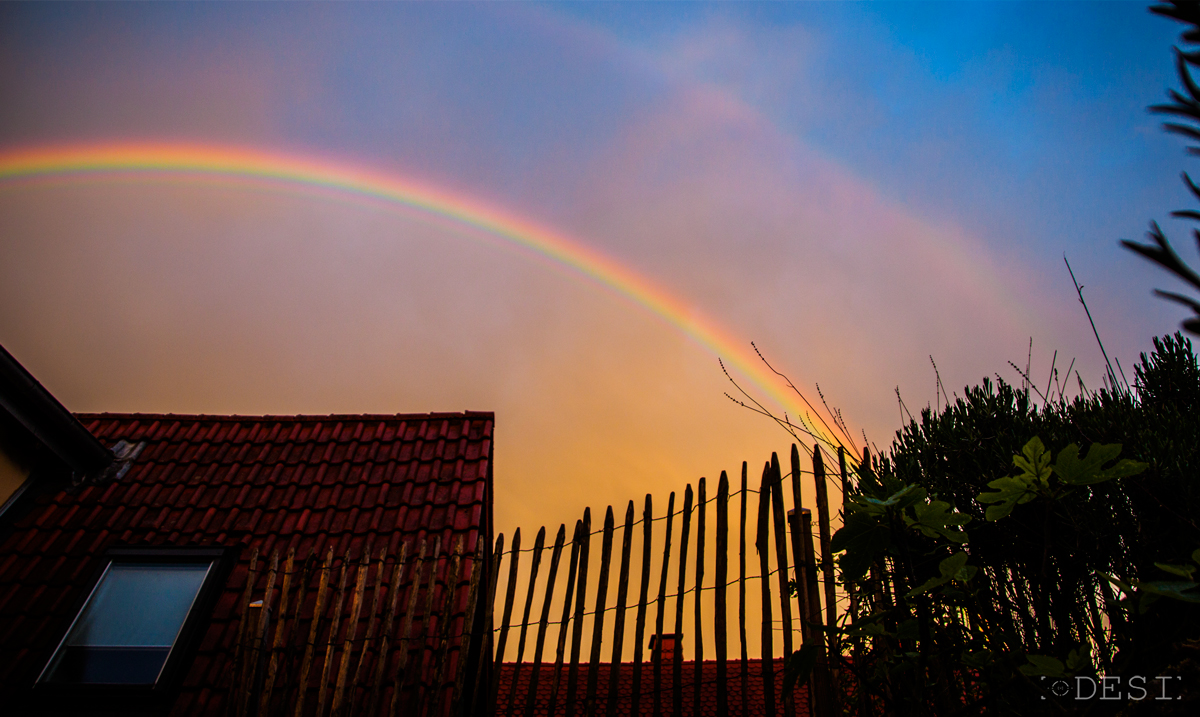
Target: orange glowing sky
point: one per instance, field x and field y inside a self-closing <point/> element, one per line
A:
<point x="709" y="175"/>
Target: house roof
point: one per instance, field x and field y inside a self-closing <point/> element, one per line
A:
<point x="42" y="446"/>
<point x="266" y="484"/>
<point x="754" y="692"/>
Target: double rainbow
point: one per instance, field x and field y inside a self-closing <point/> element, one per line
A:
<point x="55" y="165"/>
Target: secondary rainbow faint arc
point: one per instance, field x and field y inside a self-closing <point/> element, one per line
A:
<point x="55" y="164"/>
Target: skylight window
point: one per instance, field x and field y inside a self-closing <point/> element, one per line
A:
<point x="131" y="622"/>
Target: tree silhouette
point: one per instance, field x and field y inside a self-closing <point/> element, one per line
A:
<point x="1186" y="107"/>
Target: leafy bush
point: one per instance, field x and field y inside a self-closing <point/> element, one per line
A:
<point x="991" y="555"/>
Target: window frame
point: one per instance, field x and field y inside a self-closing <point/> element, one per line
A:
<point x="144" y="696"/>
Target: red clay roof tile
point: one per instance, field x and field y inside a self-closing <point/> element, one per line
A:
<point x="265" y="482"/>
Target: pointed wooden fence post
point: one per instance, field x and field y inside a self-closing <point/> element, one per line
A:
<point x="827" y="571"/>
<point x="698" y="661"/>
<point x="614" y="671"/>
<point x="820" y="678"/>
<point x="762" y="543"/>
<point x="799" y="560"/>
<point x="593" y="675"/>
<point x="851" y="593"/>
<point x="330" y="643"/>
<point x="538" y="543"/>
<point x="416" y="676"/>
<point x="722" y="569"/>
<point x="440" y="664"/>
<point x="385" y="639"/>
<point x="313" y="630"/>
<point x="745" y="676"/>
<point x="458" y="706"/>
<point x="406" y="631"/>
<point x="277" y="642"/>
<point x="260" y="640"/>
<point x="580" y="597"/>
<point x="352" y="704"/>
<point x="677" y="664"/>
<point x="356" y="600"/>
<point x="564" y="624"/>
<point x="509" y="595"/>
<point x="660" y="607"/>
<point x="233" y="702"/>
<point x="781" y="562"/>
<point x="826" y="553"/>
<point x="294" y="646"/>
<point x="483" y="679"/>
<point x="639" y="631"/>
<point x="544" y="622"/>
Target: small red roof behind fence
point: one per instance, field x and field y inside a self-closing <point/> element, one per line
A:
<point x="511" y="700"/>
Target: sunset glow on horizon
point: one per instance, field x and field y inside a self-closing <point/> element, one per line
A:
<point x="566" y="213"/>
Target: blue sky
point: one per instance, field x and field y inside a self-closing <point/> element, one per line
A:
<point x="853" y="186"/>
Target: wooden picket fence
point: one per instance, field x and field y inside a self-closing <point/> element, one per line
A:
<point x="411" y="653"/>
<point x="658" y="688"/>
<point x="299" y="655"/>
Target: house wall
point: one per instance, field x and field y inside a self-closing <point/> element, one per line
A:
<point x="13" y="473"/>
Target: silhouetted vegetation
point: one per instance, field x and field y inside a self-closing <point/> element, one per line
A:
<point x="981" y="590"/>
<point x="1187" y="108"/>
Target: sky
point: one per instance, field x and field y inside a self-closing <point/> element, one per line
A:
<point x="855" y="188"/>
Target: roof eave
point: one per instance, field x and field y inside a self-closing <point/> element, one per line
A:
<point x="37" y="411"/>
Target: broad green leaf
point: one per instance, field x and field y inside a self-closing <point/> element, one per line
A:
<point x="1034" y="461"/>
<point x="952" y="564"/>
<point x="1073" y="470"/>
<point x="1009" y="492"/>
<point x="935" y="519"/>
<point x="1183" y="571"/>
<point x="1123" y="469"/>
<point x="1185" y="592"/>
<point x="902" y="498"/>
<point x="952" y="568"/>
<point x="955" y="568"/>
<point x="1043" y="665"/>
<point x="861" y="533"/>
<point x="928" y="585"/>
<point x="1196" y="556"/>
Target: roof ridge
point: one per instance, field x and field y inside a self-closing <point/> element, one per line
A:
<point x="282" y="416"/>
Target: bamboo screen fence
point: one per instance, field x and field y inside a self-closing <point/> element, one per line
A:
<point x="406" y="648"/>
<point x="408" y="654"/>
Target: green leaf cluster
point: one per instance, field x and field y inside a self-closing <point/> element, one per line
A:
<point x="1070" y="469"/>
<point x="982" y="549"/>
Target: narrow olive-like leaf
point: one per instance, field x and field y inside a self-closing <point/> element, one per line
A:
<point x="1183" y="571"/>
<point x="1175" y="590"/>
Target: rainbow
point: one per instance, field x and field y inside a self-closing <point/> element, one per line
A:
<point x="55" y="165"/>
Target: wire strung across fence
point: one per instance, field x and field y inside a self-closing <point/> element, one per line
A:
<point x="802" y="609"/>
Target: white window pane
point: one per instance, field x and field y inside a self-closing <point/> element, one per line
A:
<point x="139" y="605"/>
<point x="128" y="625"/>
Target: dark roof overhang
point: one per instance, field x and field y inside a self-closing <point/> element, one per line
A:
<point x="56" y="433"/>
